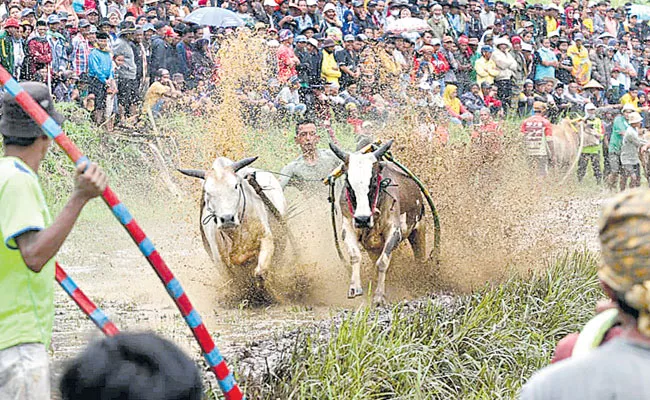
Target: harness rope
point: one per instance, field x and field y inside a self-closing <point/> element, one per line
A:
<point x="213" y="216"/>
<point x="330" y="180"/>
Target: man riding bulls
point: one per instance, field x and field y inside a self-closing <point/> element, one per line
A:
<point x="313" y="165"/>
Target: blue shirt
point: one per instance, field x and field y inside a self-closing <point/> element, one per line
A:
<point x="100" y="65"/>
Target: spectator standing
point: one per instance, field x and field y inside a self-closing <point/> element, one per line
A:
<point x="127" y="84"/>
<point x="329" y="69"/>
<point x="348" y="62"/>
<point x="632" y="143"/>
<point x="545" y="61"/>
<point x="184" y="53"/>
<point x="101" y="74"/>
<point x="592" y="136"/>
<point x="81" y="49"/>
<point x="7" y="40"/>
<point x="39" y="54"/>
<point x="507" y="66"/>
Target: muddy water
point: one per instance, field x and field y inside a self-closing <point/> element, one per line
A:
<point x="104" y="262"/>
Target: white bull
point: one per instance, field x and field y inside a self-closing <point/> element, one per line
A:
<point x="235" y="224"/>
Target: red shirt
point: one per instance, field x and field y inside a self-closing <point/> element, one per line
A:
<point x="536" y="125"/>
<point x="286" y="66"/>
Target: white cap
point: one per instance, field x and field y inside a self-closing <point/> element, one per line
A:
<point x="435" y="42"/>
<point x="313" y="42"/>
<point x="328" y="7"/>
<point x="526" y="47"/>
<point x="629" y="107"/>
<point x="270" y="3"/>
<point x="590" y="107"/>
<point x="312" y="3"/>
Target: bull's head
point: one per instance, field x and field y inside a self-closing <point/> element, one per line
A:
<point x="361" y="180"/>
<point x="223" y="193"/>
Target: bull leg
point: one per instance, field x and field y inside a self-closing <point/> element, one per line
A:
<point x="394" y="238"/>
<point x="352" y="246"/>
<point x="418" y="242"/>
<point x="266" y="254"/>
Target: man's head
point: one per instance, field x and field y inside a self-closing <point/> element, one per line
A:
<point x="12" y="27"/>
<point x="162" y="75"/>
<point x="539" y="108"/>
<point x="306" y="136"/>
<point x="635" y="119"/>
<point x="18" y="129"/>
<point x="625" y="245"/>
<point x="102" y="41"/>
<point x="132" y="366"/>
<point x="486" y="51"/>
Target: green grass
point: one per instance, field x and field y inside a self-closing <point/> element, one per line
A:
<point x="484" y="345"/>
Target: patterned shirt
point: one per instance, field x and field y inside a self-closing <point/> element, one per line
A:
<point x="80" y="53"/>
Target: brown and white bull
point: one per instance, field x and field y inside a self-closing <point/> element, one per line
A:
<point x="235" y="224"/>
<point x="381" y="206"/>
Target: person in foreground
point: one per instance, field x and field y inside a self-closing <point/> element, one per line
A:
<point x="131" y="366"/>
<point x="30" y="240"/>
<point x="620" y="368"/>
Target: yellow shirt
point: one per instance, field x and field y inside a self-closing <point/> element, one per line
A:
<point x="627" y="99"/>
<point x="551" y="25"/>
<point x="155" y="92"/>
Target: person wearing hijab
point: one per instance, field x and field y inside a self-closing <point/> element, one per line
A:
<point x="457" y="111"/>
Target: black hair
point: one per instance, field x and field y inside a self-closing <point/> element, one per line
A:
<point x="132" y="366"/>
<point x="18" y="141"/>
<point x="305" y="121"/>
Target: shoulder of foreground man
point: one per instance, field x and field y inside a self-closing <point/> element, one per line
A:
<point x="590" y="376"/>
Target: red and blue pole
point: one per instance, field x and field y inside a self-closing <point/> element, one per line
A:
<point x="87" y="306"/>
<point x="211" y="353"/>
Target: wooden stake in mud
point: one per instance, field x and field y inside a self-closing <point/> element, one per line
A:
<point x="87" y="306"/>
<point x="211" y="353"/>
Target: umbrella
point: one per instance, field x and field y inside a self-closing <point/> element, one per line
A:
<point x="214" y="16"/>
<point x="408" y="25"/>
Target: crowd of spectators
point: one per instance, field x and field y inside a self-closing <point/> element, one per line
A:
<point x="336" y="59"/>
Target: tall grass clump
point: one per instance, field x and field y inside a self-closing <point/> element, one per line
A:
<point x="479" y="346"/>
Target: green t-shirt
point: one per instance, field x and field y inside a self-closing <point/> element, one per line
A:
<point x="26" y="297"/>
<point x="618" y="131"/>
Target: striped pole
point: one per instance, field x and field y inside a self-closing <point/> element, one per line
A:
<point x="87" y="306"/>
<point x="211" y="353"/>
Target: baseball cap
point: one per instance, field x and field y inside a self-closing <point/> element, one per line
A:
<point x="301" y="39"/>
<point x="313" y="42"/>
<point x="348" y="38"/>
<point x="53" y="19"/>
<point x="83" y="23"/>
<point x="12" y="22"/>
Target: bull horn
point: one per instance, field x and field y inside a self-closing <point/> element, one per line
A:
<point x="379" y="153"/>
<point x="342" y="155"/>
<point x="194" y="173"/>
<point x="237" y="165"/>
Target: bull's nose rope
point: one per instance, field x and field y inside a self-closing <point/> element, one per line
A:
<point x="212" y="355"/>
